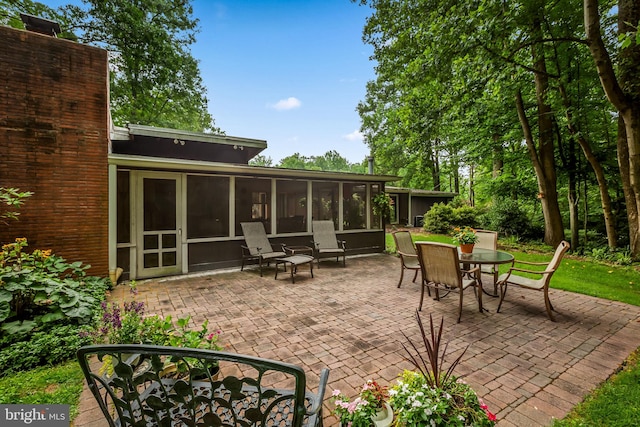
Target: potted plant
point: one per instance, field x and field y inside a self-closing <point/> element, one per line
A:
<point x="432" y="396"/>
<point x="369" y="409"/>
<point x="202" y="338"/>
<point x="466" y="237"/>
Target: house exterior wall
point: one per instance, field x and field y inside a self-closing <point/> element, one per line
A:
<point x="54" y="142"/>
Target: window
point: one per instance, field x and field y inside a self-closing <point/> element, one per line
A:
<point x="291" y="206"/>
<point x="326" y="196"/>
<point x="354" y="206"/>
<point x="207" y="206"/>
<point x="253" y="202"/>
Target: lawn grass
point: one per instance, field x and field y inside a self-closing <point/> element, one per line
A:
<point x="614" y="404"/>
<point x="61" y="384"/>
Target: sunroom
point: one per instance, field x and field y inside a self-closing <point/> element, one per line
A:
<point x="181" y="196"/>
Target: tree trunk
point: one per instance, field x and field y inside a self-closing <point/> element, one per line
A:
<point x="623" y="92"/>
<point x="543" y="158"/>
<point x="550" y="211"/>
<point x="605" y="199"/>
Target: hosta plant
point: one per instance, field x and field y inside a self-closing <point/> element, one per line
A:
<point x="38" y="288"/>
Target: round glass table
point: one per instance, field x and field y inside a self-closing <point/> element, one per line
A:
<point x="481" y="256"/>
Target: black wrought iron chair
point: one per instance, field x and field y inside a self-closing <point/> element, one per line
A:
<point x="135" y="391"/>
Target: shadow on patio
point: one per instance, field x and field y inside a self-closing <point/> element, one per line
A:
<point x="528" y="369"/>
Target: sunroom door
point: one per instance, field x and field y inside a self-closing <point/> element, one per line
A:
<point x="159" y="224"/>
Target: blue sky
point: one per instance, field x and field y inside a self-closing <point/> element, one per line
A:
<point x="290" y="72"/>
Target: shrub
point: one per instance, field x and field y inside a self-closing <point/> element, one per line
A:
<point x="508" y="218"/>
<point x="438" y="218"/>
<point x="39" y="288"/>
<point x="441" y="218"/>
<point x="48" y="347"/>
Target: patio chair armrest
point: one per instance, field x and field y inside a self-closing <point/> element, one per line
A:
<point x="524" y="270"/>
<point x="471" y="270"/>
<point x="317" y="404"/>
<point x="407" y="254"/>
<point x="529" y="262"/>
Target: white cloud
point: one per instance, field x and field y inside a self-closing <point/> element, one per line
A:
<point x="286" y="104"/>
<point x="356" y="135"/>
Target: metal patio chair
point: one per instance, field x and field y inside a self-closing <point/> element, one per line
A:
<point x="407" y="252"/>
<point x="257" y="245"/>
<point x="540" y="281"/>
<point x="138" y="391"/>
<point x="325" y="242"/>
<point x="440" y="266"/>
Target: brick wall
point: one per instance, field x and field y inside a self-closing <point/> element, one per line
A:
<point x="53" y="142"/>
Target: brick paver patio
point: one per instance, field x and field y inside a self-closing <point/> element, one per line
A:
<point x="528" y="369"/>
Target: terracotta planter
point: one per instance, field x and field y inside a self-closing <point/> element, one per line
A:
<point x="466" y="248"/>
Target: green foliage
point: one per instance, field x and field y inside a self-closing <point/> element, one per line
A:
<point x="39" y="288"/>
<point x="261" y="160"/>
<point x="329" y="161"/>
<point x="442" y="217"/>
<point x="13" y="199"/>
<point x="618" y="256"/>
<point x="508" y="218"/>
<point x="439" y="218"/>
<point x="382" y="205"/>
<point x="44" y="347"/>
<point x="61" y="384"/>
<point x="456" y="404"/>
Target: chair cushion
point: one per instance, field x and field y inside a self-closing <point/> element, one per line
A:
<point x="271" y="255"/>
<point x="331" y="251"/>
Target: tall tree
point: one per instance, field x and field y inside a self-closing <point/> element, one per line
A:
<point x="623" y="91"/>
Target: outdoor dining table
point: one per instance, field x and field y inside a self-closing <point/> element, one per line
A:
<point x="481" y="256"/>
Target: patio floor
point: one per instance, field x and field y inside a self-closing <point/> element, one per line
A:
<point x="527" y="369"/>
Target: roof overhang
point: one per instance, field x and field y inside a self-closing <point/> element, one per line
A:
<point x="164" y="164"/>
<point x="416" y="192"/>
<point x="163" y="142"/>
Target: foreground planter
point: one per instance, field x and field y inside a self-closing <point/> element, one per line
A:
<point x="384" y="417"/>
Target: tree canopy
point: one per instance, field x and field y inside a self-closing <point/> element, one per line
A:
<point x="154" y="79"/>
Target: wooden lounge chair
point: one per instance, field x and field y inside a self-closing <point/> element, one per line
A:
<point x="540" y="280"/>
<point x="489" y="240"/>
<point x="440" y="265"/>
<point x="247" y="390"/>
<point x="257" y="245"/>
<point x="326" y="243"/>
<point x="407" y="252"/>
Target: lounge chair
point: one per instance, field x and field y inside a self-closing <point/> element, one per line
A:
<point x="325" y="242"/>
<point x="257" y="245"/>
<point x="407" y="252"/>
<point x="440" y="265"/>
<point x="541" y="279"/>
<point x="139" y="390"/>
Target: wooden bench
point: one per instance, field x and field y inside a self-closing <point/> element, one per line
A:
<point x="247" y="391"/>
